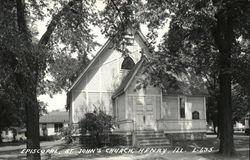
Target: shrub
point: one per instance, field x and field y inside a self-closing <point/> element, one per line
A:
<point x="97" y="125"/>
<point x="67" y="134"/>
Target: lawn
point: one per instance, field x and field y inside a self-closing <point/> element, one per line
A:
<point x="184" y="150"/>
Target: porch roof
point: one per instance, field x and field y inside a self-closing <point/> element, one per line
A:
<point x="55" y="117"/>
<point x="186" y="87"/>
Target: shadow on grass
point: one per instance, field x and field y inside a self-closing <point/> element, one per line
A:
<point x="240" y="155"/>
<point x="241" y="142"/>
<point x="10" y="152"/>
<point x="3" y="144"/>
<point x="14" y="158"/>
<point x="189" y="145"/>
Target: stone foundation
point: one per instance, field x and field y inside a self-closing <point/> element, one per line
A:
<point x="124" y="140"/>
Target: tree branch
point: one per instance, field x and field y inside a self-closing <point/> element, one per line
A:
<point x="21" y="21"/>
<point x="55" y="20"/>
<point x="118" y="10"/>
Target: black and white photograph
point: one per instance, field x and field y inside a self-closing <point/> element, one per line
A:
<point x="124" y="79"/>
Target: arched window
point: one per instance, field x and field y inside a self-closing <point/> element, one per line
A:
<point x="128" y="63"/>
<point x="195" y="115"/>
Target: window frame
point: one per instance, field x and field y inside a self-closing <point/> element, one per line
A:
<point x="57" y="127"/>
<point x="128" y="62"/>
<point x="181" y="108"/>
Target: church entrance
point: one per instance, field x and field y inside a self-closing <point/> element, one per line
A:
<point x="145" y="113"/>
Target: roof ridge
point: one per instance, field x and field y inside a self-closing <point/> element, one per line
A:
<point x="135" y="31"/>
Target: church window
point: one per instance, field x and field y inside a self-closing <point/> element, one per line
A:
<point x="128" y="63"/>
<point x="182" y="107"/>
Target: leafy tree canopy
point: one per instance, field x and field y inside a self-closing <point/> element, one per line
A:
<point x="27" y="60"/>
<point x="209" y="38"/>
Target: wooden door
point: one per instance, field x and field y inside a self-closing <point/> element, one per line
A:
<point x="139" y="113"/>
<point x="149" y="112"/>
<point x="145" y="113"/>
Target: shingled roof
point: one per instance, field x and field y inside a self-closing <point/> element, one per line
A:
<point x="184" y="87"/>
<point x="55" y="117"/>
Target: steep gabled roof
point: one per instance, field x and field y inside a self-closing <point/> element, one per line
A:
<point x="90" y="64"/>
<point x="99" y="53"/>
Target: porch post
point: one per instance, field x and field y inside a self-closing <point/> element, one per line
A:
<point x="134" y="135"/>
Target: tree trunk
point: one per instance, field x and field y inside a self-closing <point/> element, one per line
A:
<point x="224" y="37"/>
<point x="28" y="84"/>
<point x="1" y="140"/>
<point x="248" y="96"/>
<point x="248" y="86"/>
<point x="31" y="104"/>
<point x="32" y="123"/>
<point x="225" y="112"/>
<point x="218" y="115"/>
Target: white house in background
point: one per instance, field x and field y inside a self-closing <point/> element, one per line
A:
<point x="110" y="82"/>
<point x="8" y="134"/>
<point x="53" y="122"/>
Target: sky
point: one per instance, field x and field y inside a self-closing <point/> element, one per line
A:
<point x="58" y="101"/>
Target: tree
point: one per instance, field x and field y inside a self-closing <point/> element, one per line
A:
<point x="239" y="103"/>
<point x="243" y="77"/>
<point x="117" y="18"/>
<point x="12" y="110"/>
<point x="28" y="60"/>
<point x="210" y="31"/>
<point x="202" y="32"/>
<point x="64" y="70"/>
<point x="10" y="115"/>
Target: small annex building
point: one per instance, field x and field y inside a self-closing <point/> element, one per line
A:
<point x="53" y="123"/>
<point x="110" y="82"/>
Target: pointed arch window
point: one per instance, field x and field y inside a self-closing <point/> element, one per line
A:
<point x="128" y="63"/>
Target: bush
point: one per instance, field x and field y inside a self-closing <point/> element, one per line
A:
<point x="67" y="134"/>
<point x="97" y="127"/>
